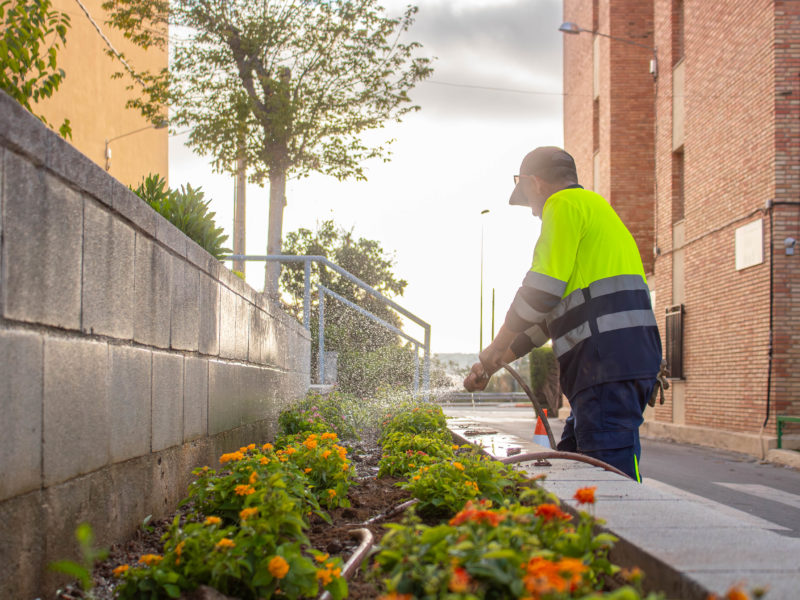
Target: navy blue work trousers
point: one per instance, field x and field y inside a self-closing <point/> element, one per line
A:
<point x="604" y="423"/>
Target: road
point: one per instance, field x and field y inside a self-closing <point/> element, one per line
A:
<point x="763" y="494"/>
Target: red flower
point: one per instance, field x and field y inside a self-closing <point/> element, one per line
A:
<point x="549" y="512"/>
<point x="585" y="495"/>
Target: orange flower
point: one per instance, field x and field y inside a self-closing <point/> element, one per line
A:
<point x="322" y="557"/>
<point x="251" y="446"/>
<point x="459" y="580"/>
<point x="330" y="436"/>
<point x="307" y="470"/>
<point x="278" y="567"/>
<point x="736" y="593"/>
<point x="212" y="521"/>
<point x="310" y="444"/>
<point x="246" y="513"/>
<point x="331" y="493"/>
<point x="291" y="450"/>
<point x="326" y="454"/>
<point x="458" y="466"/>
<point x="230" y="456"/>
<point x="542" y="576"/>
<point x="585" y="495"/>
<point x="150" y="559"/>
<point x="264" y="460"/>
<point x="470" y="513"/>
<point x="225" y="544"/>
<point x="572" y="569"/>
<point x="548" y="512"/>
<point x="244" y="490"/>
<point x="179" y="548"/>
<point x="253" y="477"/>
<point x="120" y="570"/>
<point x="415" y="478"/>
<point x="345" y="466"/>
<point x="267" y="446"/>
<point x="396" y="596"/>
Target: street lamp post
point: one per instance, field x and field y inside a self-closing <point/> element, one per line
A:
<point x="107" y="153"/>
<point x="480" y="338"/>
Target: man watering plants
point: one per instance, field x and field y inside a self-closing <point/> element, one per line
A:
<point x="586" y="291"/>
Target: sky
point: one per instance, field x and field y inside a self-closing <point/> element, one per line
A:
<point x="451" y="160"/>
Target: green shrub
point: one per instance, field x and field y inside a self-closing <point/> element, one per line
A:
<point x="514" y="551"/>
<point x="416" y="418"/>
<point x="187" y="210"/>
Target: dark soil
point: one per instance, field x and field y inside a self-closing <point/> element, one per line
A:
<point x="369" y="497"/>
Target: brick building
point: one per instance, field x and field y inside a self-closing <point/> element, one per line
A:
<point x="700" y="156"/>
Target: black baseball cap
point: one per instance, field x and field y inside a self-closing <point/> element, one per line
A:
<point x="548" y="162"/>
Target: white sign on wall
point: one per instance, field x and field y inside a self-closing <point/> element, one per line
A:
<point x="750" y="245"/>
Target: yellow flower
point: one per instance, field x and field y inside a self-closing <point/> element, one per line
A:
<point x="212" y="521"/>
<point x="307" y="470"/>
<point x="331" y="493"/>
<point x="267" y="446"/>
<point x="455" y="447"/>
<point x="458" y="466"/>
<point x="264" y="460"/>
<point x="246" y="513"/>
<point x="253" y="477"/>
<point x="120" y="570"/>
<point x="230" y="456"/>
<point x="225" y="543"/>
<point x="244" y="490"/>
<point x="150" y="559"/>
<point x="278" y="567"/>
<point x="326" y="454"/>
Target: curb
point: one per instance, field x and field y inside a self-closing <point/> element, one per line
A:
<point x="788" y="458"/>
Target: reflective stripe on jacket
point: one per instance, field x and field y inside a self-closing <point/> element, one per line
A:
<point x="587" y="292"/>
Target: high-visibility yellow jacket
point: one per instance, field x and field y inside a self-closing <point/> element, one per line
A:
<point x="587" y="292"/>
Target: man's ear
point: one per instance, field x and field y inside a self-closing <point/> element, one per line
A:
<point x="540" y="184"/>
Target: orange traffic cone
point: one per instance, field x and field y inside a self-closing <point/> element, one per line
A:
<point x="540" y="433"/>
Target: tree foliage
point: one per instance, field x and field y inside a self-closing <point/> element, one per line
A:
<point x="31" y="37"/>
<point x="291" y="86"/>
<point x="345" y="328"/>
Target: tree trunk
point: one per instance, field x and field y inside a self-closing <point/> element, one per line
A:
<point x="277" y="201"/>
<point x="239" y="212"/>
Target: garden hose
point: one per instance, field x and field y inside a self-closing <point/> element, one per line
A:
<point x="529" y="456"/>
<point x="540" y="414"/>
<point x="367" y="541"/>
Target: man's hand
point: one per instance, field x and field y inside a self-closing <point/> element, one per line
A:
<point x="477" y="380"/>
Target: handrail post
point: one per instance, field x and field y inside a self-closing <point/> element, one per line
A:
<point x="307" y="295"/>
<point x="416" y="370"/>
<point x="426" y="377"/>
<point x="321" y="328"/>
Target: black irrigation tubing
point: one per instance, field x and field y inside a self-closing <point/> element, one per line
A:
<point x="391" y="512"/>
<point x="529" y="456"/>
<point x="367" y="541"/>
<point x="540" y="414"/>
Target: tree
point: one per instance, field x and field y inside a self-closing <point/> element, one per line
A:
<point x="31" y="37"/>
<point x="345" y="328"/>
<point x="312" y="76"/>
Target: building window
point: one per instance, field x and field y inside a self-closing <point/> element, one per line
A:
<point x="677" y="186"/>
<point x="674" y="330"/>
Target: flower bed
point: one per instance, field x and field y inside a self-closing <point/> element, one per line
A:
<point x="273" y="521"/>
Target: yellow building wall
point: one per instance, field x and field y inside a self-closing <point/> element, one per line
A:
<point x="95" y="104"/>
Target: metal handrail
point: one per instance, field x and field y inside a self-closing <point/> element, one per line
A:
<point x="307" y="260"/>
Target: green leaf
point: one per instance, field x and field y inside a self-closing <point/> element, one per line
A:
<point x="69" y="567"/>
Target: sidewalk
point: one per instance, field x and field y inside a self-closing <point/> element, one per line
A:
<point x="686" y="549"/>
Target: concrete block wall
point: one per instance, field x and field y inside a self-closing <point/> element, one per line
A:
<point x="128" y="356"/>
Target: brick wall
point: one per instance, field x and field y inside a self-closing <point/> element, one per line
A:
<point x="786" y="278"/>
<point x="741" y="61"/>
<point x="128" y="356"/>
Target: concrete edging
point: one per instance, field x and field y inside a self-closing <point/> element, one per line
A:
<point x="687" y="549"/>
